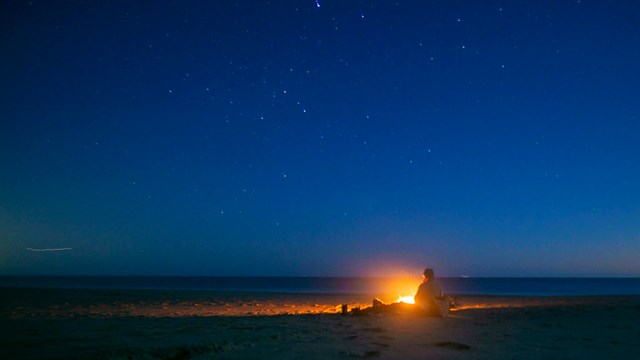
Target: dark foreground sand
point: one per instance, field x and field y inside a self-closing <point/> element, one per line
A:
<point x="102" y="324"/>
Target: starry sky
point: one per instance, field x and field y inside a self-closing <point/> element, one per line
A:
<point x="320" y="138"/>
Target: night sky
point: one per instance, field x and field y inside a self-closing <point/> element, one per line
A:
<point x="320" y="138"/>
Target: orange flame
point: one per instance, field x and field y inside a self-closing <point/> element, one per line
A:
<point x="406" y="299"/>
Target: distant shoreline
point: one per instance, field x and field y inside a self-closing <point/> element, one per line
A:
<point x="458" y="286"/>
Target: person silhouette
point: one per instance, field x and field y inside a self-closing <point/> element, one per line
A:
<point x="429" y="298"/>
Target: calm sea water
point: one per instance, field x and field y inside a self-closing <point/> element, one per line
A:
<point x="338" y="285"/>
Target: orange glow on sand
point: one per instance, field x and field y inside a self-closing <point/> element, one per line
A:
<point x="406" y="299"/>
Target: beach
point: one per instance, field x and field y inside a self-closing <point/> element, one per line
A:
<point x="154" y="324"/>
<point x="210" y="179"/>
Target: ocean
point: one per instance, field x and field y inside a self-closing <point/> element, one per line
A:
<point x="338" y="285"/>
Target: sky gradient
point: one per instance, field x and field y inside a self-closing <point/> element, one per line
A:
<point x="320" y="138"/>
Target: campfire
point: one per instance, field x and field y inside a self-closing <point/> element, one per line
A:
<point x="406" y="299"/>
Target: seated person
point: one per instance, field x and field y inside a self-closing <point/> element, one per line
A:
<point x="429" y="298"/>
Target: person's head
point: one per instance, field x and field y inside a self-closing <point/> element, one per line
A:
<point x="428" y="273"/>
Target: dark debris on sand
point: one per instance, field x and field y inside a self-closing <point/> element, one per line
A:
<point x="453" y="345"/>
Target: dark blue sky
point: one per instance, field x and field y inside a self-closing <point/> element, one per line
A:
<point x="482" y="138"/>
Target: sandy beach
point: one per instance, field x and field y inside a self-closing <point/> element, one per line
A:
<point x="145" y="324"/>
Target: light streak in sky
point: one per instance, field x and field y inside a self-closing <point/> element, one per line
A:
<point x="54" y="249"/>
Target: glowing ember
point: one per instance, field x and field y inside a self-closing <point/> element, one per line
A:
<point x="406" y="299"/>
